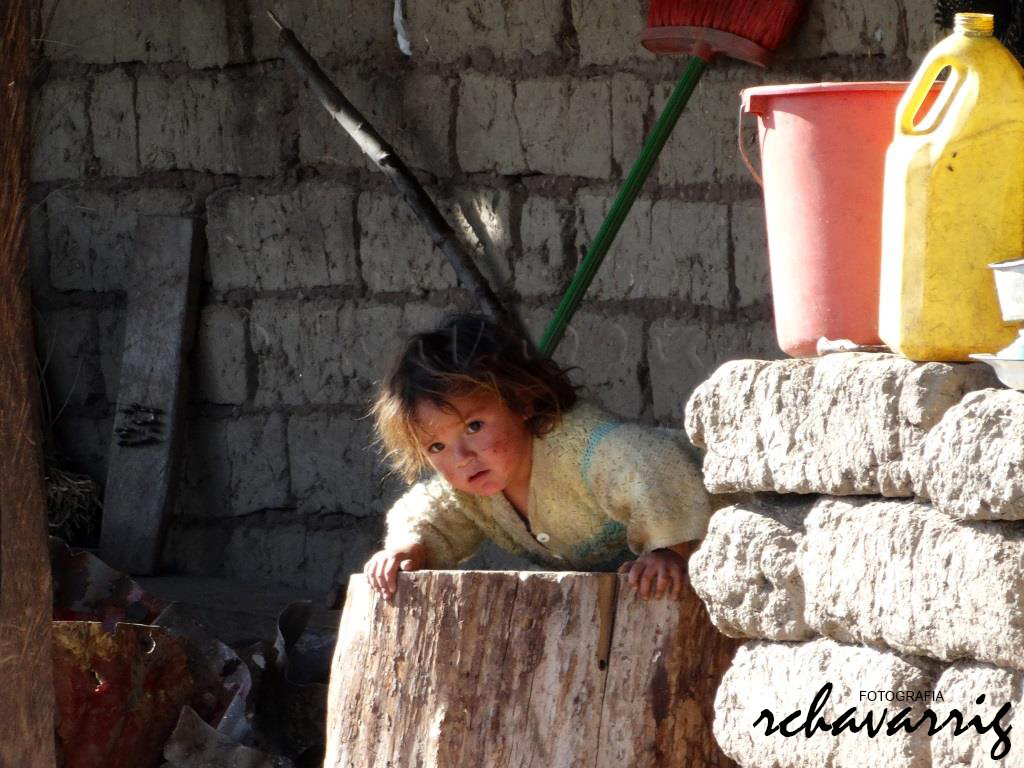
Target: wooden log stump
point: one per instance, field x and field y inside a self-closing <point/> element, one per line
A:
<point x="503" y="669"/>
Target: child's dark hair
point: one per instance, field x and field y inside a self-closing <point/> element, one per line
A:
<point x="467" y="355"/>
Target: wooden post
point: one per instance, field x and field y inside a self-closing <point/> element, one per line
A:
<point x="26" y="668"/>
<point x="503" y="669"/>
<point x="142" y="467"/>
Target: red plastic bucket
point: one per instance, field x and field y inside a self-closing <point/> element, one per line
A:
<point x="823" y="162"/>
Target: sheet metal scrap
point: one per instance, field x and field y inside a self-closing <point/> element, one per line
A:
<point x="290" y="704"/>
<point x="289" y="710"/>
<point x="86" y="588"/>
<point x="194" y="744"/>
<point x="118" y="693"/>
<point x="292" y="709"/>
<point x="223" y="681"/>
<point x="215" y="683"/>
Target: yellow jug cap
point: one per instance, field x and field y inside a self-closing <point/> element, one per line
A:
<point x="974" y="24"/>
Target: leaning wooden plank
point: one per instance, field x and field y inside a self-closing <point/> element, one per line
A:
<point x="508" y="670"/>
<point x="143" y="463"/>
<point x="26" y="668"/>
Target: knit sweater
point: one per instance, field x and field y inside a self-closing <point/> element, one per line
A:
<point x="600" y="489"/>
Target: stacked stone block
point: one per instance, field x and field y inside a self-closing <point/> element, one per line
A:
<point x="520" y="116"/>
<point x="880" y="552"/>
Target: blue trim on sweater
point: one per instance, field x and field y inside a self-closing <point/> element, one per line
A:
<point x="610" y="540"/>
<point x="601" y="431"/>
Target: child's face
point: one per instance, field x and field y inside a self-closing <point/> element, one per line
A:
<point x="481" y="448"/>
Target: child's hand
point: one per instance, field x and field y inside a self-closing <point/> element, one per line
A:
<point x="382" y="569"/>
<point x="658" y="573"/>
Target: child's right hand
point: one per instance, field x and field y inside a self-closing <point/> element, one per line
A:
<point x="382" y="569"/>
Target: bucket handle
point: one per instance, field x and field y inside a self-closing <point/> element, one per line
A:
<point x="912" y="100"/>
<point x="743" y="149"/>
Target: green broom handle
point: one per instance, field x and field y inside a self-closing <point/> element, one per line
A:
<point x="623" y="202"/>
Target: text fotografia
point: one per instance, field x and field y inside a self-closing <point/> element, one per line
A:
<point x="901" y="695"/>
<point x="796" y="723"/>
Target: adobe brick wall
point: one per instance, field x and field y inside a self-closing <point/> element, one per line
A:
<point x="521" y="116"/>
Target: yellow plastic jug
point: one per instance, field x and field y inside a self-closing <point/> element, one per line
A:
<point x="953" y="199"/>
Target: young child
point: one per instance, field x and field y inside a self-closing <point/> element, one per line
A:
<point x="520" y="461"/>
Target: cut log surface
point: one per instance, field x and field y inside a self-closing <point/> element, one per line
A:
<point x="503" y="669"/>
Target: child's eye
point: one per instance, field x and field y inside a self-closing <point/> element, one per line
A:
<point x="435" y="447"/>
<point x="474" y="426"/>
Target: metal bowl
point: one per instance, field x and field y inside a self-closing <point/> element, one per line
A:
<point x="1009" y="277"/>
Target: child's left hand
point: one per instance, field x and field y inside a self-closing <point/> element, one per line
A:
<point x="659" y="573"/>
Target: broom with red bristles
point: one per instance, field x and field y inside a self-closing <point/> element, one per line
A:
<point x="748" y="30"/>
<point x="745" y="29"/>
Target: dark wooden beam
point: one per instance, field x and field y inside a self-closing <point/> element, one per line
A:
<point x="142" y="472"/>
<point x="26" y="665"/>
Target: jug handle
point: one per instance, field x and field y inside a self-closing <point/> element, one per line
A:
<point x="918" y="92"/>
<point x="743" y="149"/>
